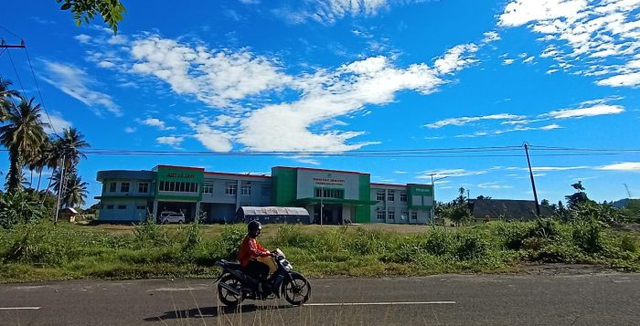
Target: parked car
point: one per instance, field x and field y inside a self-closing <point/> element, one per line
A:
<point x="171" y="217"/>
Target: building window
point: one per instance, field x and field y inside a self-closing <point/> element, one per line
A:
<point x="265" y="190"/>
<point x="390" y="195"/>
<point x="380" y="215"/>
<point x="207" y="188"/>
<point x="141" y="208"/>
<point x="391" y="215"/>
<point x="122" y="206"/>
<point x="143" y="187"/>
<point x="380" y="195"/>
<point x="403" y="197"/>
<point x="329" y="193"/>
<point x="245" y="190"/>
<point x="109" y="206"/>
<point x="405" y="215"/>
<point x="231" y="189"/>
<point x="414" y="215"/>
<point x="124" y="187"/>
<point x="112" y="187"/>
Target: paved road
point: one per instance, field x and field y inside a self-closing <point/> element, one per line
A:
<point x="598" y="299"/>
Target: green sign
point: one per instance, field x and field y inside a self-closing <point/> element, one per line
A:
<point x="420" y="196"/>
<point x="179" y="184"/>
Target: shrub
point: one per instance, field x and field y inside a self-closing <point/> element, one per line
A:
<point x="367" y="242"/>
<point x="20" y="207"/>
<point x="470" y="246"/>
<point x="293" y="236"/>
<point x="629" y="243"/>
<point x="438" y="243"/>
<point x="587" y="235"/>
<point x="148" y="232"/>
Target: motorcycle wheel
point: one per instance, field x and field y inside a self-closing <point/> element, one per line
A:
<point x="297" y="290"/>
<point x="227" y="297"/>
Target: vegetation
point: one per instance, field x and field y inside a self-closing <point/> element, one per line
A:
<point x="112" y="11"/>
<point x="23" y="133"/>
<point x="38" y="251"/>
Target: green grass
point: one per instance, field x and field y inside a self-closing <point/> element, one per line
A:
<point x="42" y="251"/>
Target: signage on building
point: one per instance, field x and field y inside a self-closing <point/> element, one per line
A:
<point x="328" y="181"/>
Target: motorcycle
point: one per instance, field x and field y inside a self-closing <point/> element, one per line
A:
<point x="234" y="285"/>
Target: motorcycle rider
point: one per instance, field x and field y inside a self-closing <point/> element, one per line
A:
<point x="250" y="250"/>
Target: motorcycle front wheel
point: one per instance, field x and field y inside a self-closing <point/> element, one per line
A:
<point x="227" y="297"/>
<point x="297" y="290"/>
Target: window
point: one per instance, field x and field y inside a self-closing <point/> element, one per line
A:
<point x="112" y="187"/>
<point x="143" y="187"/>
<point x="329" y="193"/>
<point x="390" y="195"/>
<point x="122" y="206"/>
<point x="109" y="206"/>
<point x="161" y="186"/>
<point x="391" y="215"/>
<point x="124" y="187"/>
<point x="404" y="215"/>
<point x="172" y="186"/>
<point x="141" y="208"/>
<point x="380" y="195"/>
<point x="245" y="190"/>
<point x="403" y="197"/>
<point x="183" y="187"/>
<point x="231" y="189"/>
<point x="207" y="188"/>
<point x="265" y="190"/>
<point x="380" y="215"/>
<point x="414" y="215"/>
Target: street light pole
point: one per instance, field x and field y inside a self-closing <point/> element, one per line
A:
<point x="433" y="188"/>
<point x="321" y="204"/>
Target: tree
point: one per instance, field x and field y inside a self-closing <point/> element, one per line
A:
<point x="461" y="198"/>
<point x="5" y="97"/>
<point x="76" y="191"/>
<point x="69" y="146"/>
<point x="577" y="198"/>
<point x="23" y="134"/>
<point x="85" y="10"/>
<point x="545" y="203"/>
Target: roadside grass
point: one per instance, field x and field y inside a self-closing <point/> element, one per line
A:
<point x="41" y="251"/>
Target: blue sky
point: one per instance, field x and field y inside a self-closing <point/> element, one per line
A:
<point x="348" y="76"/>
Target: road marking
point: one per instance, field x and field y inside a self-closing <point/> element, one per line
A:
<point x="20" y="308"/>
<point x="400" y="303"/>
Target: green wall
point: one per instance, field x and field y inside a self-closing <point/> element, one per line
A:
<point x="363" y="212"/>
<point x="180" y="175"/>
<point x="284" y="186"/>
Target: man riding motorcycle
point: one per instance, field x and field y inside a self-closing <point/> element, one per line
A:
<point x="251" y="253"/>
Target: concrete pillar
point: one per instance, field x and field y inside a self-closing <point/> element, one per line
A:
<point x="197" y="210"/>
<point x="155" y="209"/>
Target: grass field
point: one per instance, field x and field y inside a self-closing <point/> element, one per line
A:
<point x="45" y="252"/>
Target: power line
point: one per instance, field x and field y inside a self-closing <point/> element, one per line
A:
<point x="16" y="72"/>
<point x="35" y="80"/>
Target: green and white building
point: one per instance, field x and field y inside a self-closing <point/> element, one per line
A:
<point x="337" y="196"/>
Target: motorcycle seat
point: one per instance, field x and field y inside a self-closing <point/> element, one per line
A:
<point x="232" y="265"/>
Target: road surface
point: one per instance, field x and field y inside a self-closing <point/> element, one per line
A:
<point x="593" y="299"/>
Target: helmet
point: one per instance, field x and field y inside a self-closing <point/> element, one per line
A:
<point x="254" y="227"/>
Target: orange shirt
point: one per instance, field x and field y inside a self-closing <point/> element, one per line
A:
<point x="250" y="248"/>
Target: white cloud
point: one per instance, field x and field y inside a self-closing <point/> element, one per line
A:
<point x="129" y="130"/>
<point x="329" y="11"/>
<point x="529" y="59"/>
<point x="600" y="109"/>
<point x="456" y="58"/>
<point x="507" y="62"/>
<point x="83" y="38"/>
<point x="170" y="140"/>
<point x="493" y="185"/>
<point x="590" y="38"/>
<point x="556" y="168"/>
<point x="465" y="120"/>
<point x="304" y="159"/>
<point x="106" y="64"/>
<point x="216" y="78"/>
<point x="75" y="82"/>
<point x="491" y="36"/>
<point x="155" y="122"/>
<point x="250" y="2"/>
<point x="448" y="173"/>
<point x="56" y="123"/>
<point x="623" y="166"/>
<point x="400" y="172"/>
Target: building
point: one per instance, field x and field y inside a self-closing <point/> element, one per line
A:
<point x="330" y="197"/>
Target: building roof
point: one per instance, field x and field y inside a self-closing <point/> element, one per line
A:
<point x="508" y="209"/>
<point x="273" y="210"/>
<point x="318" y="170"/>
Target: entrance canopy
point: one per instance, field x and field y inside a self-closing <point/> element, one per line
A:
<point x="316" y="200"/>
<point x="273" y="214"/>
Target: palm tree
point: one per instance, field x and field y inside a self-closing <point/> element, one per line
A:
<point x="23" y="135"/>
<point x="45" y="160"/>
<point x="5" y="97"/>
<point x="76" y="191"/>
<point x="70" y="145"/>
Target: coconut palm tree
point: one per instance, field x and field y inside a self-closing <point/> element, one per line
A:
<point x="70" y="145"/>
<point x="23" y="134"/>
<point x="76" y="191"/>
<point x="6" y="93"/>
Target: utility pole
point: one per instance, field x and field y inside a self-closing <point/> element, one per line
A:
<point x="61" y="180"/>
<point x="533" y="183"/>
<point x="321" y="204"/>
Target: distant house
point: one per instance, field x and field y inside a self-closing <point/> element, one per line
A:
<point x="68" y="214"/>
<point x="493" y="209"/>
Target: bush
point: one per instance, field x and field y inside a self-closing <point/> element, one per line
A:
<point x="470" y="246"/>
<point x="438" y="243"/>
<point x="20" y="207"/>
<point x="587" y="235"/>
<point x="150" y="233"/>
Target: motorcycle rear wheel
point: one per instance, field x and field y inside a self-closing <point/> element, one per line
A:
<point x="297" y="290"/>
<point x="227" y="297"/>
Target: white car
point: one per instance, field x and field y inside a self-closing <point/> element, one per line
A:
<point x="171" y="217"/>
